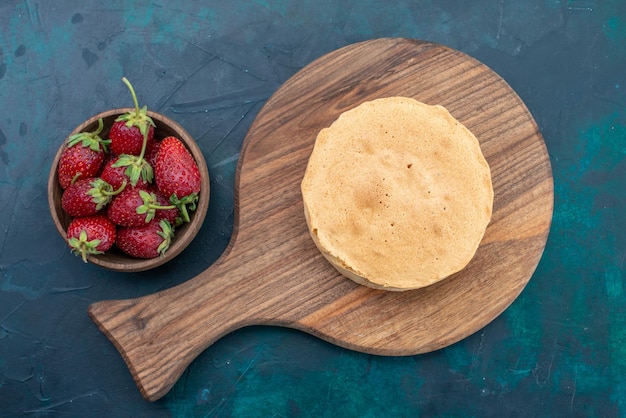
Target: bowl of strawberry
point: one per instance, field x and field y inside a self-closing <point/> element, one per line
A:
<point x="128" y="189"/>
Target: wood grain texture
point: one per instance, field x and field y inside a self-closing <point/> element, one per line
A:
<point x="271" y="273"/>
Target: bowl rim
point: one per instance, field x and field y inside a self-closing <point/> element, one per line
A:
<point x="178" y="243"/>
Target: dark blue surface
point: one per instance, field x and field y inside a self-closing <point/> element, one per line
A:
<point x="559" y="350"/>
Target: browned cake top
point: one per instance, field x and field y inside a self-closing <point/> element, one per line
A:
<point x="397" y="194"/>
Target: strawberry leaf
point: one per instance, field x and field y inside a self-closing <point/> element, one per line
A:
<point x="90" y="139"/>
<point x="186" y="204"/>
<point x="81" y="246"/>
<point x="101" y="193"/>
<point x="149" y="200"/>
<point x="136" y="167"/>
<point x="167" y="233"/>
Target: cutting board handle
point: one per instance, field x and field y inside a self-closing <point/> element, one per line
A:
<point x="161" y="334"/>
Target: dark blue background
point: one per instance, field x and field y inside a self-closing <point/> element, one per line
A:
<point x="559" y="350"/>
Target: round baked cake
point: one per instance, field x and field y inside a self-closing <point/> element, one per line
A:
<point x="397" y="194"/>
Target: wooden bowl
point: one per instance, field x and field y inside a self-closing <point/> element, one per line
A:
<point x="114" y="259"/>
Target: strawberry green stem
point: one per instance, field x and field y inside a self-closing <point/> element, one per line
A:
<point x="100" y="127"/>
<point x="150" y="205"/>
<point x="161" y="207"/>
<point x="139" y="118"/>
<point x="102" y="192"/>
<point x="144" y="145"/>
<point x="185" y="204"/>
<point x="132" y="92"/>
<point x="115" y="192"/>
<point x="144" y="131"/>
<point x="76" y="177"/>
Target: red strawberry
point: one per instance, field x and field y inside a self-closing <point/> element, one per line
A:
<point x="127" y="138"/>
<point x="115" y="175"/>
<point x="147" y="241"/>
<point x="130" y="136"/>
<point x="90" y="235"/>
<point x="123" y="209"/>
<point x="132" y="129"/>
<point x="135" y="207"/>
<point x="87" y="196"/>
<point x="152" y="151"/>
<point x="176" y="175"/>
<point x="83" y="157"/>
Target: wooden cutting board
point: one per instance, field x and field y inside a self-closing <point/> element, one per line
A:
<point x="272" y="273"/>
